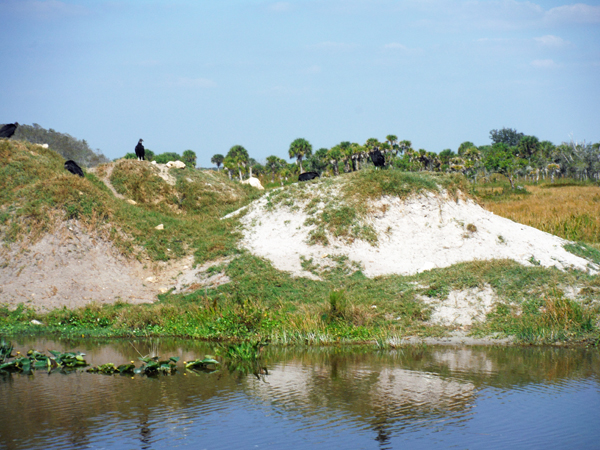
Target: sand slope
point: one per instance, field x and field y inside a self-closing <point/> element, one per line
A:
<point x="414" y="235"/>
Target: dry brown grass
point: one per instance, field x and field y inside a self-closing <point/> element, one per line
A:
<point x="571" y="212"/>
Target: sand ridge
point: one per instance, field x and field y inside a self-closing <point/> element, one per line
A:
<point x="420" y="233"/>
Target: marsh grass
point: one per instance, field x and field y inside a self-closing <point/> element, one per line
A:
<point x="544" y="320"/>
<point x="568" y="210"/>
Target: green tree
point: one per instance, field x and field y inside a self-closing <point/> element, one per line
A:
<point x="503" y="159"/>
<point x="217" y="159"/>
<point x="392" y="140"/>
<point x="506" y="136"/>
<point x="318" y="162"/>
<point x="240" y="156"/>
<point x="445" y="156"/>
<point x="165" y="157"/>
<point x="64" y="144"/>
<point x="274" y="165"/>
<point x="334" y="155"/>
<point x="230" y="165"/>
<point x="464" y="146"/>
<point x="528" y="147"/>
<point x="300" y="149"/>
<point x="189" y="158"/>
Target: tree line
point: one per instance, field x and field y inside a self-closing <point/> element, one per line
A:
<point x="64" y="144"/>
<point x="512" y="154"/>
<point x="188" y="157"/>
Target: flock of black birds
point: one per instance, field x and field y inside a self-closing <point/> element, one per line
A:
<point x="6" y="131"/>
<point x="377" y="158"/>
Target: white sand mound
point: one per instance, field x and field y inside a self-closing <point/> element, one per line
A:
<point x="414" y="235"/>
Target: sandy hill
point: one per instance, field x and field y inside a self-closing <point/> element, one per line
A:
<point x="120" y="233"/>
<point x="401" y="231"/>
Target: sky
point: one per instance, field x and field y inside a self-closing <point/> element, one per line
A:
<point x="207" y="75"/>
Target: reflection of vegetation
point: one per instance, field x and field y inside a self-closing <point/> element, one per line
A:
<point x="244" y="358"/>
<point x="311" y="382"/>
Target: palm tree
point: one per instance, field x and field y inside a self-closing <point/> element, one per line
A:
<point x="189" y="158"/>
<point x="346" y="152"/>
<point x="392" y="139"/>
<point x="217" y="159"/>
<point x="274" y="164"/>
<point x="334" y="156"/>
<point x="404" y="146"/>
<point x="229" y="164"/>
<point x="240" y="155"/>
<point x="299" y="149"/>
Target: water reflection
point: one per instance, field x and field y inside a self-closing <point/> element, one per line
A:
<point x="339" y="398"/>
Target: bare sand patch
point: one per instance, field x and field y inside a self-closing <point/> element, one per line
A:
<point x="413" y="235"/>
<point x="69" y="267"/>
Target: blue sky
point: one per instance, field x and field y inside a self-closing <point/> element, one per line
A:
<point x="207" y="75"/>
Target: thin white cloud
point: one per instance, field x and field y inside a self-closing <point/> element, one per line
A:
<point x="192" y="83"/>
<point x="280" y="6"/>
<point x="395" y="46"/>
<point x="578" y="13"/>
<point x="544" y="64"/>
<point x="312" y="70"/>
<point x="336" y="46"/>
<point x="497" y="14"/>
<point x="551" y="41"/>
<point x="45" y="9"/>
<point x="148" y="63"/>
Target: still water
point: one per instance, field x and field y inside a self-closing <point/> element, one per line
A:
<point x="357" y="398"/>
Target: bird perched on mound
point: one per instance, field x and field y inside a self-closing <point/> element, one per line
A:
<point x="377" y="158"/>
<point x="140" y="151"/>
<point x="72" y="167"/>
<point x="308" y="176"/>
<point x="6" y="131"/>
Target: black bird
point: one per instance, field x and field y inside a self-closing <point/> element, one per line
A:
<point x="6" y="131"/>
<point x="308" y="176"/>
<point x="140" y="151"/>
<point x="377" y="158"/>
<point x="72" y="167"/>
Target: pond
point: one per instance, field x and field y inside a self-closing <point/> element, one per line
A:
<point x="347" y="398"/>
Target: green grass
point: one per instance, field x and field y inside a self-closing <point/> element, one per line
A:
<point x="262" y="303"/>
<point x="36" y="193"/>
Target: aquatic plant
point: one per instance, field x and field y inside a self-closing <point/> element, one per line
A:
<point x="109" y="369"/>
<point x="154" y="365"/>
<point x="244" y="358"/>
<point x="208" y="364"/>
<point x="37" y="360"/>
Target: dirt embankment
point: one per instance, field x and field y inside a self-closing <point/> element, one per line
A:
<point x="71" y="268"/>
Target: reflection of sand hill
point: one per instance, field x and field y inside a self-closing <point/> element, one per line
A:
<point x="464" y="360"/>
<point x="399" y="387"/>
<point x="298" y="385"/>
